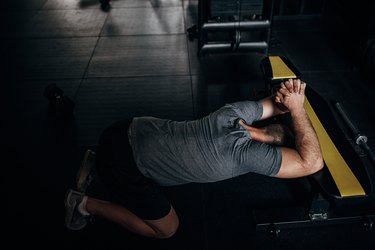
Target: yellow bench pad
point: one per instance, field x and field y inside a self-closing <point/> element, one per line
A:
<point x="279" y="69"/>
<point x="346" y="182"/>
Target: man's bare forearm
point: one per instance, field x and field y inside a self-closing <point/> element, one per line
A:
<point x="271" y="108"/>
<point x="306" y="158"/>
<point x="306" y="140"/>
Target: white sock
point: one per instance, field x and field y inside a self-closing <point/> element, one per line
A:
<point x="82" y="206"/>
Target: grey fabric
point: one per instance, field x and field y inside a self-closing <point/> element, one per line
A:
<point x="209" y="149"/>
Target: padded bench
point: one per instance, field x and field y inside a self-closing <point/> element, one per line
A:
<point x="343" y="188"/>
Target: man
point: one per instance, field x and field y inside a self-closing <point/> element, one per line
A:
<point x="136" y="157"/>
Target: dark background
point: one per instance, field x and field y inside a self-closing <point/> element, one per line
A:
<point x="135" y="59"/>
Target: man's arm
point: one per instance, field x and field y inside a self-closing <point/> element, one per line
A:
<point x="271" y="108"/>
<point x="306" y="158"/>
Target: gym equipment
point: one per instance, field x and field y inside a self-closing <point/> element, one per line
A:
<point x="360" y="139"/>
<point x="58" y="101"/>
<point x="233" y="26"/>
<point x="342" y="192"/>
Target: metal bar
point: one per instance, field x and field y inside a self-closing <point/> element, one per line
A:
<point x="311" y="223"/>
<point x="243" y="46"/>
<point x="369" y="152"/>
<point x="360" y="139"/>
<point x="253" y="46"/>
<point x="242" y="26"/>
<point x="268" y="38"/>
<point x="348" y="122"/>
<point x="217" y="47"/>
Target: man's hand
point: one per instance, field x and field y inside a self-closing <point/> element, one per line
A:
<point x="291" y="95"/>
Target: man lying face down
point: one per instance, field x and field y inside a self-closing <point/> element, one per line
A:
<point x="136" y="157"/>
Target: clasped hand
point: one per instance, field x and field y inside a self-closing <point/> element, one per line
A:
<point x="291" y="95"/>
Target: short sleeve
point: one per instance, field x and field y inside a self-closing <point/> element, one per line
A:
<point x="250" y="111"/>
<point x="258" y="158"/>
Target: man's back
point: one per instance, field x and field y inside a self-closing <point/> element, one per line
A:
<point x="209" y="149"/>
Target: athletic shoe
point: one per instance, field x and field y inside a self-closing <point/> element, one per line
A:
<point x="74" y="220"/>
<point x="85" y="173"/>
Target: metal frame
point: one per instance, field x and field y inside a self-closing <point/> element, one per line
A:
<point x="206" y="27"/>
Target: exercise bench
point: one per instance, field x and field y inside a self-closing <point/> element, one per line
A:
<point x="342" y="192"/>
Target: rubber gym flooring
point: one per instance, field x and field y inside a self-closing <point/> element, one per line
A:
<point x="135" y="59"/>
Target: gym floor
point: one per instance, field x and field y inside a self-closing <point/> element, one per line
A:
<point x="136" y="59"/>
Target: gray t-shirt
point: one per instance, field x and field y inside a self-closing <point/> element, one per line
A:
<point x="213" y="148"/>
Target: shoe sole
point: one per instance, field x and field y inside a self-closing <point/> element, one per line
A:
<point x="68" y="216"/>
<point x="83" y="175"/>
<point x="70" y="207"/>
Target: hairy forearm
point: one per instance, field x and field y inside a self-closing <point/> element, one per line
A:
<point x="306" y="141"/>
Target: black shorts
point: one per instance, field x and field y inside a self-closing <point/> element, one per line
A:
<point x="127" y="185"/>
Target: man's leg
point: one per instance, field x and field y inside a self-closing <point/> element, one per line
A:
<point x="80" y="207"/>
<point x="136" y="202"/>
<point x="164" y="227"/>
